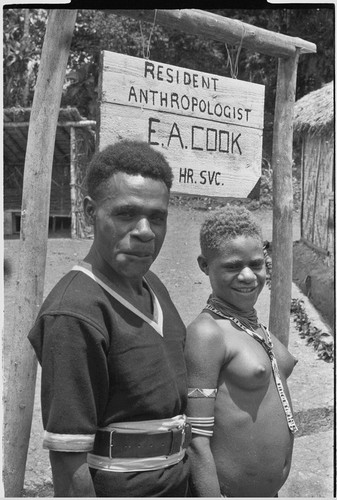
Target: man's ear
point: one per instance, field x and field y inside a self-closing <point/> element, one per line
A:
<point x="203" y="264"/>
<point x="89" y="209"/>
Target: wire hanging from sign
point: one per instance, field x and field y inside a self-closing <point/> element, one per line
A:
<point x="234" y="65"/>
<point x="147" y="55"/>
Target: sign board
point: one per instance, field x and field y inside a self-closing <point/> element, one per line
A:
<point x="208" y="127"/>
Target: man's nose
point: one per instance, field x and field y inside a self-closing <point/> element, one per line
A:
<point x="247" y="274"/>
<point x="144" y="230"/>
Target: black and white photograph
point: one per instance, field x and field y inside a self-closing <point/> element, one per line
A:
<point x="168" y="250"/>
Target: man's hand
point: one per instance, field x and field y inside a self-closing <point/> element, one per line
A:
<point x="71" y="475"/>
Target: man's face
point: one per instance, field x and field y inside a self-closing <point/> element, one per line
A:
<point x="130" y="222"/>
<point x="237" y="271"/>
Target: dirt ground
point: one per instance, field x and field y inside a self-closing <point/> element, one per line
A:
<point x="176" y="266"/>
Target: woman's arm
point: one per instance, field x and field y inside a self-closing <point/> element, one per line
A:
<point x="203" y="478"/>
<point x="205" y="353"/>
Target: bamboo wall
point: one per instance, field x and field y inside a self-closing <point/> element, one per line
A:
<point x="317" y="216"/>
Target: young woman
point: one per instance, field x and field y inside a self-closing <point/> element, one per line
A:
<point x="239" y="403"/>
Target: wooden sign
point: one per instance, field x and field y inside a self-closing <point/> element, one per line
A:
<point x="208" y="127"/>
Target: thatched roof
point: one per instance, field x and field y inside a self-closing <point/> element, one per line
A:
<point x="314" y="112"/>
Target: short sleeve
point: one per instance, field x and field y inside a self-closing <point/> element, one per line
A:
<point x="75" y="380"/>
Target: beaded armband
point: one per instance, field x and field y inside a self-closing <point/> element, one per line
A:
<point x="195" y="392"/>
<point x="202" y="425"/>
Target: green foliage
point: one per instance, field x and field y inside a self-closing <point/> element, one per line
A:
<point x="322" y="342"/>
<point x="22" y="42"/>
<point x="266" y="188"/>
<point x="315" y="25"/>
<point x="96" y="30"/>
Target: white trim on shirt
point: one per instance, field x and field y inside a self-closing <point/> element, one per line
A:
<point x="156" y="322"/>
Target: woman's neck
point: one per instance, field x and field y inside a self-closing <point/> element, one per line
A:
<point x="248" y="318"/>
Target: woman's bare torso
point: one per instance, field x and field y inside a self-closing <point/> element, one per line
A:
<point x="252" y="444"/>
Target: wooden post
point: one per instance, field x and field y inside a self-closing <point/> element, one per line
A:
<point x="73" y="203"/>
<point x="20" y="361"/>
<point x="280" y="299"/>
<point x="302" y="182"/>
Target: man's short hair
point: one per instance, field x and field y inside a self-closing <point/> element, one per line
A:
<point x="225" y="224"/>
<point x="131" y="157"/>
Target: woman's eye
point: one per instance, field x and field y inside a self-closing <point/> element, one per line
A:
<point x="257" y="266"/>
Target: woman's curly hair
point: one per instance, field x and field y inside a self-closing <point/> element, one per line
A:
<point x="225" y="224"/>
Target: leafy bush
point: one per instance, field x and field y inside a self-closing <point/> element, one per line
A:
<point x="322" y="342"/>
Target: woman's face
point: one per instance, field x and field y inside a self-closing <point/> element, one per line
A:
<point x="237" y="271"/>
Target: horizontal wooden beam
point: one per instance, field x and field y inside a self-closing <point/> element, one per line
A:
<point x="83" y="123"/>
<point x="222" y="29"/>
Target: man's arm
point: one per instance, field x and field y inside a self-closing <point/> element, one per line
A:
<point x="204" y="354"/>
<point x="71" y="475"/>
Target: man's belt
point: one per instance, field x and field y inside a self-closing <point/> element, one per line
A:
<point x="115" y="444"/>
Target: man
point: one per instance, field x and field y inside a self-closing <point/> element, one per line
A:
<point x="110" y="343"/>
<point x="239" y="403"/>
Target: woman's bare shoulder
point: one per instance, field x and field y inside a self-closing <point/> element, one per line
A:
<point x="207" y="334"/>
<point x="205" y="351"/>
<point x="205" y="326"/>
